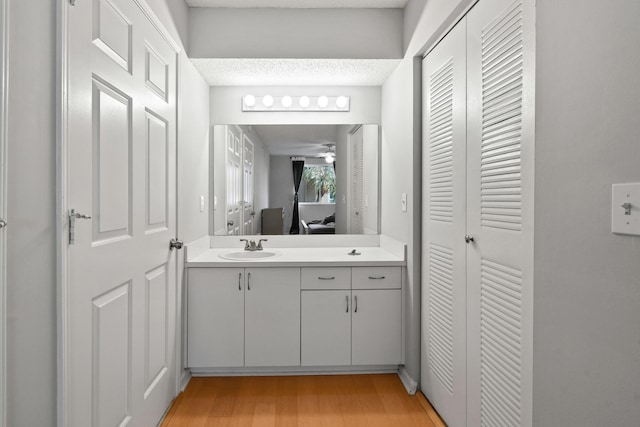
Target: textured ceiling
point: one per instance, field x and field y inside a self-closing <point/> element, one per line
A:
<point x="297" y="140"/>
<point x="295" y="72"/>
<point x="305" y="4"/>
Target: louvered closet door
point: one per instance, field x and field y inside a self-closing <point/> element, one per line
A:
<point x="444" y="213"/>
<point x="500" y="48"/>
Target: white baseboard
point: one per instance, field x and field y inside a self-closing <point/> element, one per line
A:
<point x="184" y="379"/>
<point x="409" y="383"/>
<point x="294" y="370"/>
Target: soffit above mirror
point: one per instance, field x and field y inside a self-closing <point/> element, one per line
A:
<point x="294" y="72"/>
<point x="310" y="4"/>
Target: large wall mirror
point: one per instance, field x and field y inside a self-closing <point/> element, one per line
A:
<point x="254" y="179"/>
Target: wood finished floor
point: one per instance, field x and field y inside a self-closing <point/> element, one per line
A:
<point x="324" y="400"/>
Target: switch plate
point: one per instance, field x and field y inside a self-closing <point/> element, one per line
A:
<point x="201" y="203"/>
<point x="404" y="202"/>
<point x="622" y="196"/>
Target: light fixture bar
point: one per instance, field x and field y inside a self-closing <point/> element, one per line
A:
<point x="296" y="103"/>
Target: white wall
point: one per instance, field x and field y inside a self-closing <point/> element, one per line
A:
<point x="193" y="153"/>
<point x="587" y="280"/>
<point x="296" y="33"/>
<point x="31" y="235"/>
<point x="226" y="105"/>
<point x="174" y="15"/>
<point x="218" y="176"/>
<point x="193" y="176"/>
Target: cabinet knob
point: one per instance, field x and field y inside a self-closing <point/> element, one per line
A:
<point x="469" y="239"/>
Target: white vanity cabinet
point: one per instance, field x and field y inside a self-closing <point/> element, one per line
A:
<point x="272" y="317"/>
<point x="243" y="317"/>
<point x="376" y="326"/>
<point x="326" y="316"/>
<point x="354" y="321"/>
<point x="215" y="317"/>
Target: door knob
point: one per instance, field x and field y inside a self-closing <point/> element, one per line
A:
<point x="176" y="244"/>
<point x="3" y="224"/>
<point x="469" y="239"/>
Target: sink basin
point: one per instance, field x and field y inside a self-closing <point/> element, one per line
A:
<point x="248" y="255"/>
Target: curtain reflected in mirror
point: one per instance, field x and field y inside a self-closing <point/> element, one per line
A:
<point x="255" y="190"/>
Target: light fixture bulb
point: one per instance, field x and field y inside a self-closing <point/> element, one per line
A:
<point x="329" y="158"/>
<point x="249" y="100"/>
<point x="323" y="101"/>
<point x="267" y="100"/>
<point x="304" y="101"/>
<point x="341" y="102"/>
<point x="287" y="101"/>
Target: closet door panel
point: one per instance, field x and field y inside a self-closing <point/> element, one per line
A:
<point x="500" y="172"/>
<point x="444" y="215"/>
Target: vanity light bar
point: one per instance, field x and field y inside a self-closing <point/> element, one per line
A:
<point x="296" y="103"/>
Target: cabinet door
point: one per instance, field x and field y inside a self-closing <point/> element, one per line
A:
<point x="272" y="320"/>
<point x="215" y="317"/>
<point x="326" y="328"/>
<point x="376" y="327"/>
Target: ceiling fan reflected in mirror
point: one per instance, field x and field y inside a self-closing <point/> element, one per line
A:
<point x="330" y="154"/>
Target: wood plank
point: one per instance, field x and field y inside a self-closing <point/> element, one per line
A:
<point x="305" y="401"/>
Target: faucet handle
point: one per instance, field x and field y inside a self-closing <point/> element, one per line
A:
<point x="260" y="243"/>
<point x="246" y="244"/>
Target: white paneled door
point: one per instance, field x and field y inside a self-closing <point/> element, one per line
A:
<point x="234" y="180"/>
<point x="444" y="213"/>
<point x="119" y="294"/>
<point x="248" y="213"/>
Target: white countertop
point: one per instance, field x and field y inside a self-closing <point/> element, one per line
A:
<point x="302" y="257"/>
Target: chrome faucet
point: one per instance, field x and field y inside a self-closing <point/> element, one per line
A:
<point x="259" y="247"/>
<point x="250" y="245"/>
<point x="247" y="247"/>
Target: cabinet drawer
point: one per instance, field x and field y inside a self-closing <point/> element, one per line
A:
<point x="326" y="278"/>
<point x="376" y="278"/>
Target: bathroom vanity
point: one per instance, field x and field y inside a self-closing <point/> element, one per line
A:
<point x="295" y="309"/>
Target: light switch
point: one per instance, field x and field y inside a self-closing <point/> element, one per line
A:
<point x="404" y="202"/>
<point x="625" y="209"/>
<point x="201" y="203"/>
